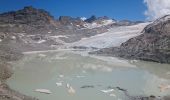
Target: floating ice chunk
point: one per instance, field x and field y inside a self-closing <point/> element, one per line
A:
<point x="80" y="76"/>
<point x="43" y="91"/>
<point x="68" y="85"/>
<point x="61" y="76"/>
<point x="112" y="95"/>
<point x="84" y="71"/>
<point x="59" y="83"/>
<point x="71" y="90"/>
<point x="107" y="91"/>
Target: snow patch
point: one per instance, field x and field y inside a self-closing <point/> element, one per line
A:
<point x="41" y="41"/>
<point x="83" y="18"/>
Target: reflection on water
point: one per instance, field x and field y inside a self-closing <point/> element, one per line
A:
<point x="42" y="71"/>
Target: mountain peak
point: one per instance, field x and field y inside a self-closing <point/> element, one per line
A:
<point x="27" y="15"/>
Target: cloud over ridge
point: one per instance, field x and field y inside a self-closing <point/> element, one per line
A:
<point x="157" y="8"/>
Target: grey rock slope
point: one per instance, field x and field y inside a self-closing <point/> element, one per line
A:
<point x="152" y="45"/>
<point x="35" y="29"/>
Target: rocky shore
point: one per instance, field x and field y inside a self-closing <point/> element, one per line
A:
<point x="6" y="93"/>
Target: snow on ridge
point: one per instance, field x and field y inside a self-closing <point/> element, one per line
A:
<point x="96" y="25"/>
<point x="83" y="18"/>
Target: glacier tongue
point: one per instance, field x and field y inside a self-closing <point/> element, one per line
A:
<point x="114" y="37"/>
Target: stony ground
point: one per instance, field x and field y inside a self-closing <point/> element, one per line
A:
<point x="9" y="54"/>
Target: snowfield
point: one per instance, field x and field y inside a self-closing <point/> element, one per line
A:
<point x="114" y="37"/>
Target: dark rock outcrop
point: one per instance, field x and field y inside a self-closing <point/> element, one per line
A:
<point x="28" y="15"/>
<point x="29" y="20"/>
<point x="91" y="19"/>
<point x="152" y="45"/>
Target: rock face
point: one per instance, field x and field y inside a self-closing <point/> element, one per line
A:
<point x="152" y="45"/>
<point x="28" y="15"/>
<point x="29" y="20"/>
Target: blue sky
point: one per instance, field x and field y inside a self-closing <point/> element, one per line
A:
<point x="117" y="9"/>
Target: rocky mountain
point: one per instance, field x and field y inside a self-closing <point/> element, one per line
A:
<point x="29" y="20"/>
<point x="35" y="29"/>
<point x="152" y="45"/>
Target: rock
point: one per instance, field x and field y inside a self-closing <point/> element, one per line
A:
<point x="164" y="87"/>
<point x="87" y="86"/>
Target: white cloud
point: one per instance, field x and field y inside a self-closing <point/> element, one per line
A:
<point x="157" y="8"/>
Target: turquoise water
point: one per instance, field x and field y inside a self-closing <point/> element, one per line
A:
<point x="42" y="71"/>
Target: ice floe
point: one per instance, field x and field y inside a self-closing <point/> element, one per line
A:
<point x="43" y="91"/>
<point x="107" y="91"/>
<point x="59" y="84"/>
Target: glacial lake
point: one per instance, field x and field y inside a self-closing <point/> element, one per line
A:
<point x="88" y="75"/>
